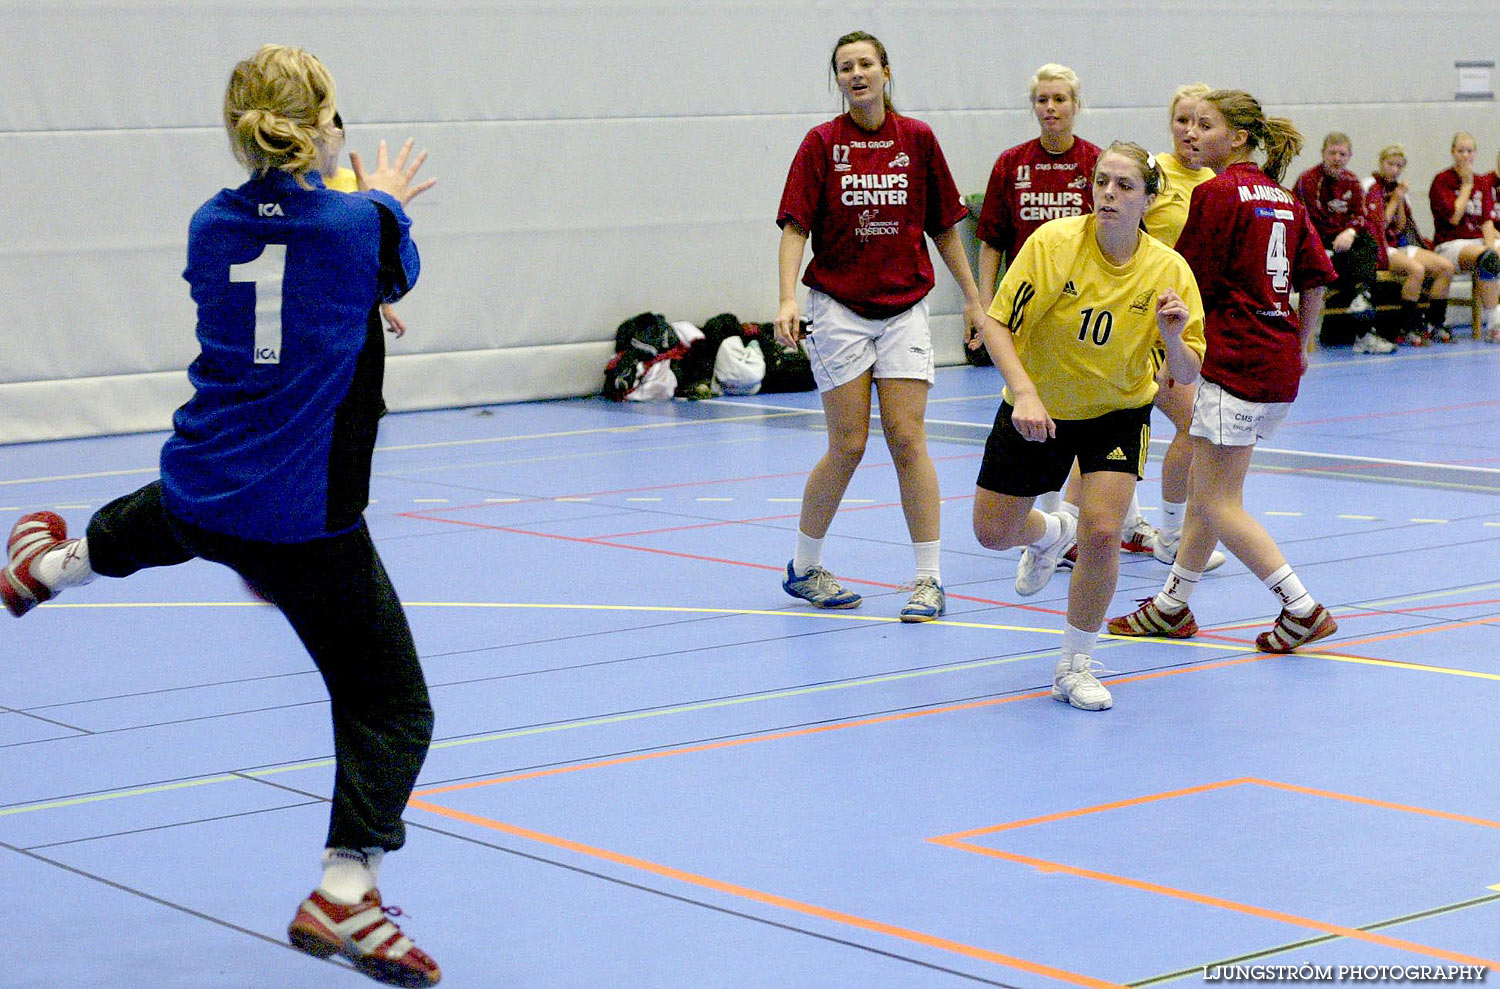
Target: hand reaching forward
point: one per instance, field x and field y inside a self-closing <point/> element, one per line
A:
<point x="395" y="178"/>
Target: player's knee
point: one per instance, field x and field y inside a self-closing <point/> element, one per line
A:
<point x="997" y="533"/>
<point x="1096" y="539"/>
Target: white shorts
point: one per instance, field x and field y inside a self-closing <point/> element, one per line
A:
<point x="1450" y="248"/>
<point x="842" y="344"/>
<point x="1225" y="420"/>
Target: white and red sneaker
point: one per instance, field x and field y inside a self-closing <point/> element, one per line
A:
<point x="364" y="933"/>
<point x="33" y="535"/>
<point x="1140" y="539"/>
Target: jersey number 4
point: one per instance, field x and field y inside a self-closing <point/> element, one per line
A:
<point x="266" y="271"/>
<point x="1277" y="264"/>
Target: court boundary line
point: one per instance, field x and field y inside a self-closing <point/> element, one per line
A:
<point x="1183" y="973"/>
<point x="57" y="803"/>
<point x="768" y="899"/>
<point x="419" y="802"/>
<point x="962" y="841"/>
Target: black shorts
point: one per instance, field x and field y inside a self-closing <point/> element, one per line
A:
<point x="1116" y="441"/>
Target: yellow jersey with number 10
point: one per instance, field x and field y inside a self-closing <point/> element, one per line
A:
<point x="1085" y="328"/>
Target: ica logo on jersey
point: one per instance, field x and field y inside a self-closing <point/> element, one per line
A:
<point x="269" y="209"/>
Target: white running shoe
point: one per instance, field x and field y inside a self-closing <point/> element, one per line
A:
<point x="1036" y="567"/>
<point x="1373" y="343"/>
<point x="1165" y="551"/>
<point x="1139" y="538"/>
<point x="819" y="588"/>
<point x="927" y="601"/>
<point x="1073" y="682"/>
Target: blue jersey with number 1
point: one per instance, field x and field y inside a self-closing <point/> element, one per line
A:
<point x="275" y="443"/>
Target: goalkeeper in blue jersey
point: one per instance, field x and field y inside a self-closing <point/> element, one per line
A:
<point x="267" y="470"/>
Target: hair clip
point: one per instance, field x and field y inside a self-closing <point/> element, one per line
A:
<point x="1151" y="161"/>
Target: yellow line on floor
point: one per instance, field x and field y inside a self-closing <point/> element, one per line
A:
<point x="1117" y="641"/>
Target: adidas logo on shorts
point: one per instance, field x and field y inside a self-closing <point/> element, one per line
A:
<point x="1117" y="454"/>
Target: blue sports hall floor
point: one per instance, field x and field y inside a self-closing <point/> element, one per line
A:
<point x="655" y="769"/>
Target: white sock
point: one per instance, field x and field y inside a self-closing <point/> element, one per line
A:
<point x="1181" y="583"/>
<point x="927" y="559"/>
<point x="350" y="873"/>
<point x="1077" y="642"/>
<point x="65" y="565"/>
<point x="809" y="554"/>
<point x="1051" y="534"/>
<point x="1132" y="517"/>
<point x="1067" y="508"/>
<point x="1049" y="502"/>
<point x="1171" y="518"/>
<point x="1285" y="584"/>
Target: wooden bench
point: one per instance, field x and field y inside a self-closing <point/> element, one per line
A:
<point x="1387" y="303"/>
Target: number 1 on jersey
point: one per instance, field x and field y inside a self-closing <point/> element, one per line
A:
<point x="1277" y="264"/>
<point x="266" y="271"/>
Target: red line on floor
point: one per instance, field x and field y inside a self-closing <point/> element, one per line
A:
<point x="596" y="541"/>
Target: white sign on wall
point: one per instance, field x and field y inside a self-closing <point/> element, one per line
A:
<point x="1474" y="81"/>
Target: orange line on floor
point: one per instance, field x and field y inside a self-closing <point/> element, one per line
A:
<point x="1370" y="802"/>
<point x="963" y="836"/>
<point x="1214" y="901"/>
<point x="814" y="730"/>
<point x="727" y="744"/>
<point x="770" y="899"/>
<point x="1407" y="633"/>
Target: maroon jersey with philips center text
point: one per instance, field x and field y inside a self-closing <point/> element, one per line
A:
<point x="1030" y="185"/>
<point x="867" y="199"/>
<point x="1250" y="243"/>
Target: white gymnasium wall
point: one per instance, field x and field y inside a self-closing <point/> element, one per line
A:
<point x="594" y="159"/>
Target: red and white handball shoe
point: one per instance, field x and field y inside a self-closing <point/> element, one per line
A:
<point x="365" y="934"/>
<point x="33" y="535"/>
<point x="1289" y="632"/>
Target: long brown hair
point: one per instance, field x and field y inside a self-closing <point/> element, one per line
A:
<point x="1281" y="139"/>
<point x="851" y="38"/>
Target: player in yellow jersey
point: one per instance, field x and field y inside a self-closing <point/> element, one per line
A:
<point x="1164" y="221"/>
<point x="1073" y="329"/>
